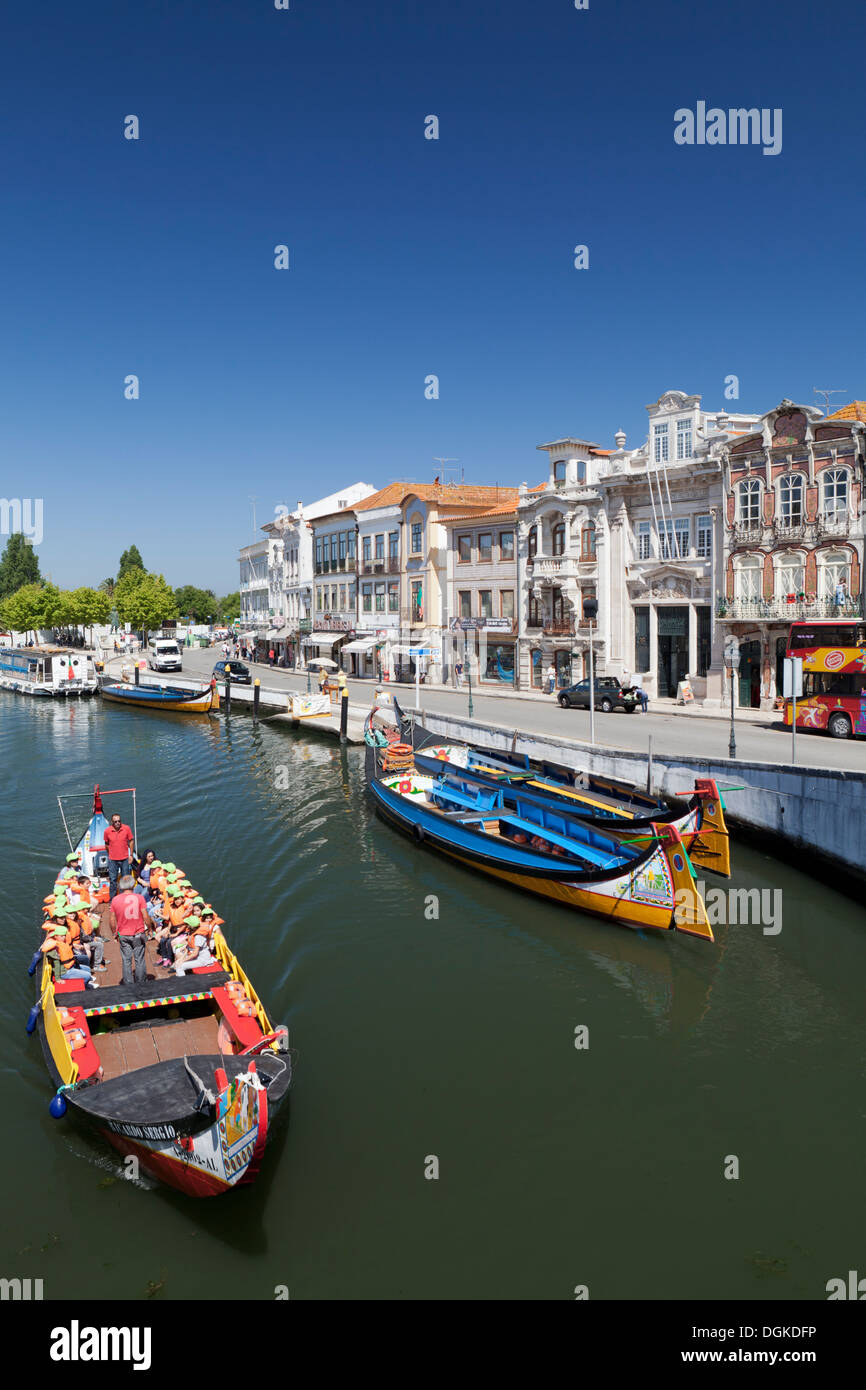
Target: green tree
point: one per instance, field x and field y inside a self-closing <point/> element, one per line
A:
<point x="19" y="565"/>
<point x="86" y="607"/>
<point x="229" y="608"/>
<point x="144" y="600"/>
<point x="32" y="608"/>
<point x="199" y="604"/>
<point x="108" y="586"/>
<point x="129" y="560"/>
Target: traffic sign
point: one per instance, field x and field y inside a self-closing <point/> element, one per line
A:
<point x="792" y="677"/>
<point x="732" y="651"/>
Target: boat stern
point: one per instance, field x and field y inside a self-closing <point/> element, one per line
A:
<point x="711" y="845"/>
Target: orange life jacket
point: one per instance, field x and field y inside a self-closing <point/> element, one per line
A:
<point x="64" y="951"/>
<point x="178" y="915"/>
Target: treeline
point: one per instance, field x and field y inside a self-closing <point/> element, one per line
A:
<point x="29" y="603"/>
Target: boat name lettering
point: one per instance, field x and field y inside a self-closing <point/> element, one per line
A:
<point x="142" y="1131"/>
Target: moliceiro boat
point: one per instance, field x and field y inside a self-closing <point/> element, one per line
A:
<point x="47" y="671"/>
<point x="620" y="807"/>
<point x="163" y="697"/>
<point x="184" y="1071"/>
<point x="642" y="881"/>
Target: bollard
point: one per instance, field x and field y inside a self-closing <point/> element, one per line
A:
<point x="256" y="693"/>
<point x="137" y="674"/>
<point x="344" y="713"/>
<point x="228" y="693"/>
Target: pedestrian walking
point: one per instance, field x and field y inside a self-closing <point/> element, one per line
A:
<point x="271" y="656"/>
<point x="458" y="673"/>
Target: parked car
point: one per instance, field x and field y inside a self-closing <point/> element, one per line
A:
<point x="239" y="673"/>
<point x="609" y="694"/>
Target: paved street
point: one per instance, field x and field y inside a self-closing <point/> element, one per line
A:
<point x="759" y="739"/>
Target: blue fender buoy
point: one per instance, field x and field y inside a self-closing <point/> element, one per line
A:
<point x="31" y="969"/>
<point x="33" y="1018"/>
<point x="58" y="1106"/>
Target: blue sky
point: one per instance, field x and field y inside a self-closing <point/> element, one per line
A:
<point x="408" y="256"/>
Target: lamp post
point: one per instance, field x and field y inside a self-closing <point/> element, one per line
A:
<point x="468" y="670"/>
<point x="732" y="661"/>
<point x="590" y="612"/>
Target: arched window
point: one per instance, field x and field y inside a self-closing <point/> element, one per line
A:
<point x="559" y="471"/>
<point x="748" y="571"/>
<point x="749" y="502"/>
<point x="563" y="669"/>
<point x="790" y="574"/>
<point x="537" y="669"/>
<point x="587" y="541"/>
<point x="834" y="568"/>
<point x="791" y="499"/>
<point x="557" y="534"/>
<point x="834" y="494"/>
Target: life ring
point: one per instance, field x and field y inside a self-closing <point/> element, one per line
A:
<point x="401" y="749"/>
<point x="418" y="834"/>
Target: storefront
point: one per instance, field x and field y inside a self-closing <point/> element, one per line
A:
<point x="324" y="646"/>
<point x="487" y="648"/>
<point x="361" y="657"/>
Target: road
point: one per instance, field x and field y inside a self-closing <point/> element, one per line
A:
<point x="708" y="736"/>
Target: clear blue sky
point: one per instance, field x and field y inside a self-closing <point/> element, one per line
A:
<point x="408" y="256"/>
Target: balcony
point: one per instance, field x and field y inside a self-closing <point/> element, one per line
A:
<point x="833" y="524"/>
<point x="747" y="532"/>
<point x="346" y="566"/>
<point x="740" y="610"/>
<point x="557" y="567"/>
<point x="790" y="529"/>
<point x="558" y="629"/>
<point x="412" y="614"/>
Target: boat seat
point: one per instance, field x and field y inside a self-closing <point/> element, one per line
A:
<point x="85" y="1058"/>
<point x="246" y="1028"/>
<point x="484" y="803"/>
<point x="602" y="859"/>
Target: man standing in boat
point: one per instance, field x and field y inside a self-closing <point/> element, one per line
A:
<point x="119" y="845"/>
<point x="129" y="921"/>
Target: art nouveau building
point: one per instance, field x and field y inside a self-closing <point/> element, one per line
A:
<point x="793" y="533"/>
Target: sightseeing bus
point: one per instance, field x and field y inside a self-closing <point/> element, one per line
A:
<point x="834" y="675"/>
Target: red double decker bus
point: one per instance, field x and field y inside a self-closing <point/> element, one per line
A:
<point x="834" y="676"/>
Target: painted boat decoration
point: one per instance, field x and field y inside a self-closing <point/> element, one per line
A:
<point x="163" y="697"/>
<point x="185" y="1073"/>
<point x="47" y="671"/>
<point x="618" y="806"/>
<point x="543" y="849"/>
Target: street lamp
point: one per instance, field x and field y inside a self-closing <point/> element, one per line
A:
<point x="590" y="612"/>
<point x="732" y="661"/>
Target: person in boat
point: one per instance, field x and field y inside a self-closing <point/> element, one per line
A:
<point x="84" y="937"/>
<point x="72" y="868"/>
<point x="119" y="845"/>
<point x="142" y="869"/>
<point x="61" y="955"/>
<point x="129" y="922"/>
<point x="196" y="951"/>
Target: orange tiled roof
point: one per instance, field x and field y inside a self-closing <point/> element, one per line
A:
<point x="507" y="509"/>
<point x="855" y="410"/>
<point x="448" y="494"/>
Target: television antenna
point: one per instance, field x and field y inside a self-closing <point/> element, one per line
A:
<point x="834" y="391"/>
<point x="444" y="472"/>
<point x="253" y="501"/>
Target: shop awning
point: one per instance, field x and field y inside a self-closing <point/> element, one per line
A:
<point x="323" y="639"/>
<point x="363" y="644"/>
<point x="274" y="633"/>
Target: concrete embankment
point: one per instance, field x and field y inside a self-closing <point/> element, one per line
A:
<point x="813" y="816"/>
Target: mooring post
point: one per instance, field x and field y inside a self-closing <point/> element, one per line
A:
<point x="137" y="674"/>
<point x="344" y="713"/>
<point x="256" y="692"/>
<point x="228" y="692"/>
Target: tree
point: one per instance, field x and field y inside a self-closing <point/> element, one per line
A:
<point x="32" y="608"/>
<point x="130" y="560"/>
<point x="199" y="604"/>
<point x="18" y="566"/>
<point x="86" y="607"/>
<point x="144" y="600"/>
<point x="229" y="608"/>
<point x="107" y="586"/>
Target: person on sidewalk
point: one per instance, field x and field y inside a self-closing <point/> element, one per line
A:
<point x="551" y="679"/>
<point x="642" y="697"/>
<point x="458" y="674"/>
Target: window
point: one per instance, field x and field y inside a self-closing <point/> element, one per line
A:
<point x="506" y="545"/>
<point x="704" y="532"/>
<point x="318" y="555"/>
<point x="506" y="603"/>
<point x="747" y="578"/>
<point x="485" y="603"/>
<point x="581" y="471"/>
<point x="367" y="544"/>
<point x="353" y="596"/>
<point x="393" y="598"/>
<point x="393" y="545"/>
<point x="684" y="439"/>
<point x="790" y="575"/>
<point x="644" y="541"/>
<point x="417" y="600"/>
<point x="534" y="619"/>
<point x="584" y="595"/>
<point x="557" y="606"/>
<point x="333" y="597"/>
<point x="587" y="541"/>
<point x="834" y="494"/>
<point x="367" y="598"/>
<point x="380" y="598"/>
<point x="351" y="544"/>
<point x="343" y="543"/>
<point x="791" y="499"/>
<point x="675" y="538"/>
<point x="319" y="596"/>
<point x="558" y="538"/>
<point x="749" y="502"/>
<point x="660" y="443"/>
<point x="485" y="546"/>
<point x="641" y="639"/>
<point x="832" y="570"/>
<point x="536" y="668"/>
<point x="464" y="550"/>
<point x="559" y="471"/>
<point x="417" y="531"/>
<point x="380" y="547"/>
<point x="532" y="544"/>
<point x="465" y="598"/>
<point x="334" y="550"/>
<point x="342" y="598"/>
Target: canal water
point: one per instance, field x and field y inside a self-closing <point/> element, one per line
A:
<point x="434" y="1016"/>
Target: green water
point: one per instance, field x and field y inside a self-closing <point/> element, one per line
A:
<point x="449" y="1037"/>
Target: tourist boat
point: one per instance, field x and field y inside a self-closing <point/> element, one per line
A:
<point x="47" y="671"/>
<point x="185" y="1073"/>
<point x="620" y="807"/>
<point x="163" y="697"/>
<point x="646" y="881"/>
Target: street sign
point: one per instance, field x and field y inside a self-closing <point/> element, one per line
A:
<point x="792" y="677"/>
<point x="426" y="651"/>
<point x="732" y="652"/>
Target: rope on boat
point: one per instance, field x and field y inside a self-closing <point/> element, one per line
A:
<point x="204" y="1094"/>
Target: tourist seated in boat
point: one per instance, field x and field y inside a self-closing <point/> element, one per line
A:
<point x="196" y="950"/>
<point x="142" y="869"/>
<point x="61" y="955"/>
<point x="73" y="867"/>
<point x="91" y="940"/>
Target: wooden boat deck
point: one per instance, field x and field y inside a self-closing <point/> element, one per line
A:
<point x="144" y="1045"/>
<point x="112" y="959"/>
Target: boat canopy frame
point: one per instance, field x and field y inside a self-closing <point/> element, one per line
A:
<point x="96" y="793"/>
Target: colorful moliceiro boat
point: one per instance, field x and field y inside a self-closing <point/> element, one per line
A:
<point x="617" y="806"/>
<point x="47" y="671"/>
<point x="186" y="1072"/>
<point x="163" y="697"/>
<point x="517" y="838"/>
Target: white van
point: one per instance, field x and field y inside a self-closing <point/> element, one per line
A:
<point x="163" y="654"/>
